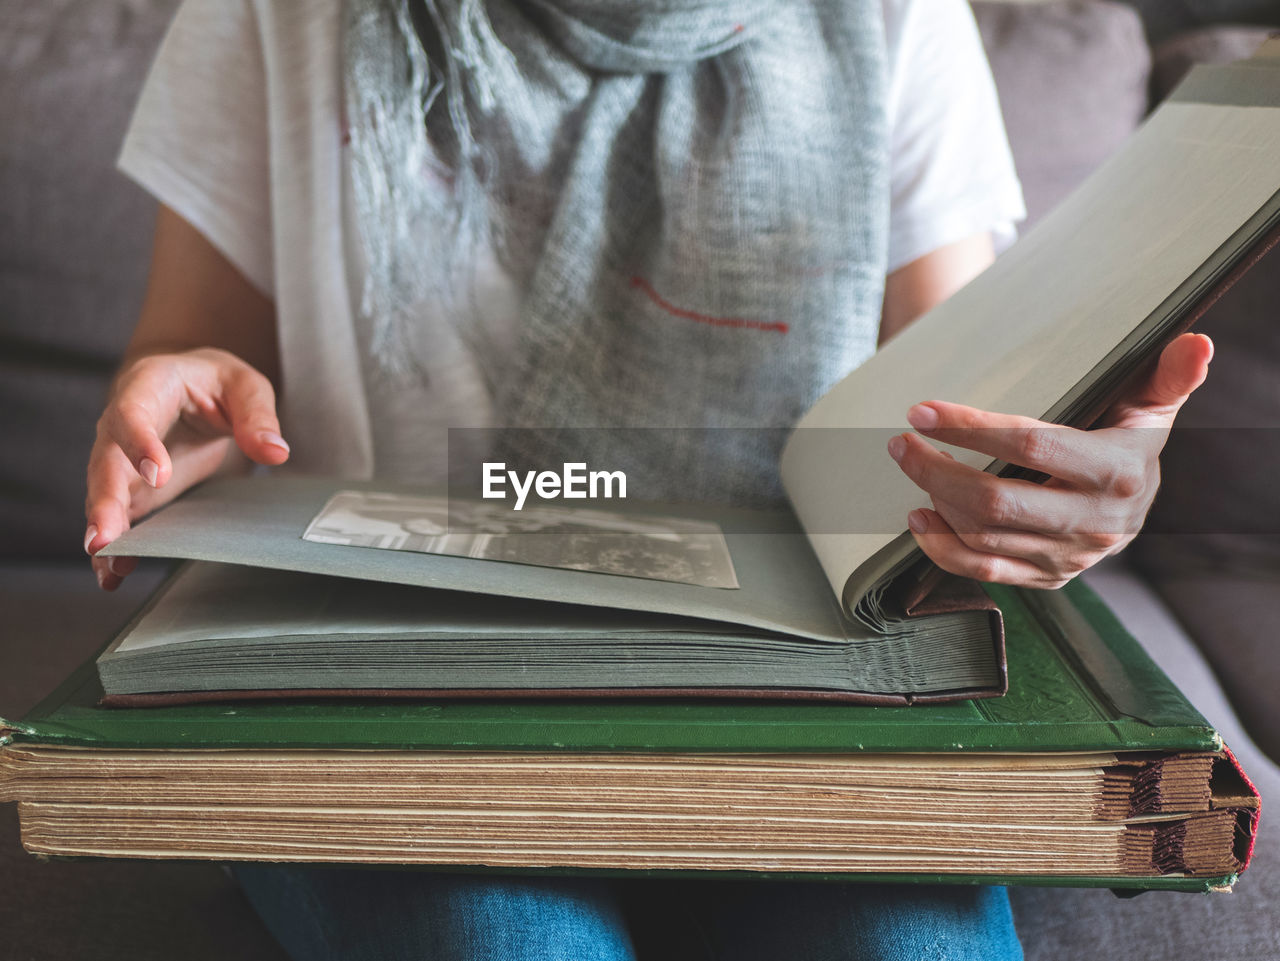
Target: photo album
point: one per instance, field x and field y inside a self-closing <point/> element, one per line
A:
<point x="355" y="671"/>
<point x="342" y="586"/>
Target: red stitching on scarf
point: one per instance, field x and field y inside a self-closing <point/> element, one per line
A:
<point x="739" y="322"/>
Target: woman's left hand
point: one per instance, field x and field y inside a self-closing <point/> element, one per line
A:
<point x="1101" y="482"/>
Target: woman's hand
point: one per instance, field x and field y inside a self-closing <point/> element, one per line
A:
<point x="172" y="420"/>
<point x="1101" y="482"/>
<point x="194" y="389"/>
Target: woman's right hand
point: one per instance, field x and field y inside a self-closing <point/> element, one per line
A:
<point x="172" y="421"/>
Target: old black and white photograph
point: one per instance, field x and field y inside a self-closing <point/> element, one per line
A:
<point x="605" y="542"/>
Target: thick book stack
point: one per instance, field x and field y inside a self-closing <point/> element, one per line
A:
<point x="1092" y="770"/>
<point x="876" y="743"/>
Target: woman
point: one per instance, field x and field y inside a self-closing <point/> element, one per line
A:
<point x="406" y="217"/>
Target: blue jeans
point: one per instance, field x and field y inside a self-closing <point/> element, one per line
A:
<point x="356" y="914"/>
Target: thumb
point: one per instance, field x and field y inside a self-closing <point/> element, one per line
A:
<point x="1182" y="367"/>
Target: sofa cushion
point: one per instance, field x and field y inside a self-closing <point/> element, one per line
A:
<point x="1164" y="18"/>
<point x="1072" y="78"/>
<point x="1223" y="44"/>
<point x="74" y="250"/>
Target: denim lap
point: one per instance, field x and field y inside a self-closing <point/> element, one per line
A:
<point x="350" y="914"/>
<point x="356" y="914"/>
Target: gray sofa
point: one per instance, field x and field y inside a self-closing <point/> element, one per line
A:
<point x="1075" y="78"/>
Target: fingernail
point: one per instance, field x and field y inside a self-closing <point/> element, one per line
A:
<point x="112" y="565"/>
<point x="102" y="577"/>
<point x="897" y="447"/>
<point x="274" y="439"/>
<point x="918" y="522"/>
<point x="922" y="417"/>
<point x="90" y="533"/>
<point x="149" y="470"/>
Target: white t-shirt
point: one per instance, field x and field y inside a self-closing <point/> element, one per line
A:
<point x="239" y="130"/>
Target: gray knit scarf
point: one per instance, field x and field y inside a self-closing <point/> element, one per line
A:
<point x="691" y="196"/>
